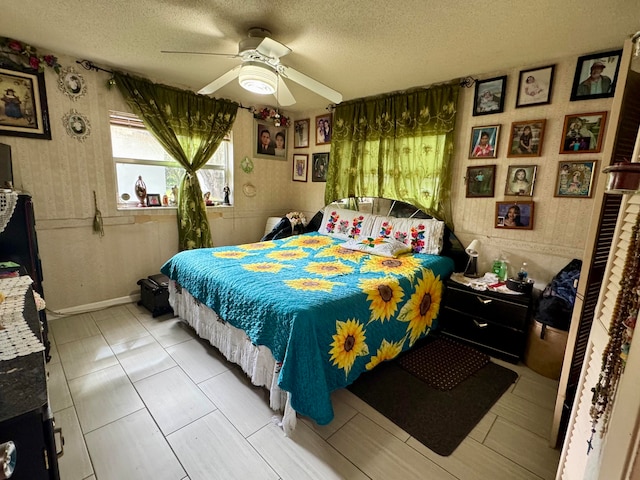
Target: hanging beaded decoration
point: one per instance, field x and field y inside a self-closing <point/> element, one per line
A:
<point x="621" y="328"/>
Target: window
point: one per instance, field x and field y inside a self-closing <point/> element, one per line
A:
<point x="136" y="153"/>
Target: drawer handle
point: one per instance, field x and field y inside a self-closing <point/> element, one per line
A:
<point x="484" y="301"/>
<point x="58" y="431"/>
<point x="480" y="325"/>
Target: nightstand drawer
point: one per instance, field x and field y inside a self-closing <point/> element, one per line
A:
<point x="493" y="338"/>
<point x="502" y="311"/>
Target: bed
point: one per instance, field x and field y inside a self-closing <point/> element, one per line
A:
<point x="307" y="314"/>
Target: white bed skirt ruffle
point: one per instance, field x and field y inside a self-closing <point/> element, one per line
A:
<point x="256" y="361"/>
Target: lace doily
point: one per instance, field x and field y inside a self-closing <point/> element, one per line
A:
<point x="8" y="201"/>
<point x="16" y="338"/>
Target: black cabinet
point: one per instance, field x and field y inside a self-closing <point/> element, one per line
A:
<point x="496" y="323"/>
<point x="19" y="244"/>
<point x="25" y="416"/>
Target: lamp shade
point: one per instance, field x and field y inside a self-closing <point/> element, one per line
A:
<point x="257" y="78"/>
<point x="472" y="249"/>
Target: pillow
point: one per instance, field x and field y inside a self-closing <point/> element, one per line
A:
<point x="344" y="223"/>
<point x="421" y="234"/>
<point x="383" y="247"/>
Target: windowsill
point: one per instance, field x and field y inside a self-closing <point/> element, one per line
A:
<point x="122" y="208"/>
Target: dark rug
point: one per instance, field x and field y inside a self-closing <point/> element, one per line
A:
<point x="443" y="363"/>
<point x="438" y="419"/>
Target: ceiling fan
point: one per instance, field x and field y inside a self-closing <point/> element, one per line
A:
<point x="261" y="71"/>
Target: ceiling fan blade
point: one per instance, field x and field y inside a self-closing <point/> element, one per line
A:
<point x="272" y="48"/>
<point x="220" y="81"/>
<point x="229" y="55"/>
<point x="283" y="95"/>
<point x="308" y="82"/>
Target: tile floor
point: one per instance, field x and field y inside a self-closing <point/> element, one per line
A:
<point x="142" y="398"/>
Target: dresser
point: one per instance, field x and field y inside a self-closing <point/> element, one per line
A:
<point x="496" y="323"/>
<point x="19" y="244"/>
<point x="25" y="416"/>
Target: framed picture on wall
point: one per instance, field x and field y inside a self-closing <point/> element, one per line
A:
<point x="489" y="96"/>
<point x="575" y="179"/>
<point x="534" y="86"/>
<point x="481" y="181"/>
<point x="269" y="141"/>
<point x="526" y="138"/>
<point x="301" y="133"/>
<point x="484" y="141"/>
<point x="300" y="164"/>
<point x="596" y="76"/>
<point x="24" y="104"/>
<point x="324" y="129"/>
<point x="514" y="215"/>
<point x="520" y="179"/>
<point x="583" y="132"/>
<point x="320" y="167"/>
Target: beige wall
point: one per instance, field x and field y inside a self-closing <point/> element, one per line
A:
<point x="81" y="268"/>
<point x="560" y="224"/>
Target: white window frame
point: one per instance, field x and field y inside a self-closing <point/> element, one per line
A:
<point x="132" y="121"/>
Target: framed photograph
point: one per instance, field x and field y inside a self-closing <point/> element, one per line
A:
<point x="320" y="167"/>
<point x="23" y="104"/>
<point x="575" y="179"/>
<point x="583" y="132"/>
<point x="71" y="83"/>
<point x="484" y="141"/>
<point x="596" y="76"/>
<point x="481" y="181"/>
<point x="77" y="125"/>
<point x="534" y="86"/>
<point x="300" y="164"/>
<point x="520" y="179"/>
<point x="489" y="96"/>
<point x="270" y="141"/>
<point x="526" y="138"/>
<point x="324" y="128"/>
<point x="514" y="215"/>
<point x="301" y="133"/>
<point x="153" y="200"/>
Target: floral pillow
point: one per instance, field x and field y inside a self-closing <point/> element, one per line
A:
<point x="422" y="235"/>
<point x="383" y="247"/>
<point x="344" y="223"/>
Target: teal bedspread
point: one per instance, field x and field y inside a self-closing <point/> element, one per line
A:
<point x="326" y="313"/>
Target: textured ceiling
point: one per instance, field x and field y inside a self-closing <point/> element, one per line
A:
<point x="358" y="47"/>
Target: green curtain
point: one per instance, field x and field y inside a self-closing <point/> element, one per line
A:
<point x="396" y="146"/>
<point x="190" y="127"/>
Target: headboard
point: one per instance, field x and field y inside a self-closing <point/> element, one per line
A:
<point x="395" y="208"/>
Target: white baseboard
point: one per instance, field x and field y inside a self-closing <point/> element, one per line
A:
<point x="92" y="307"/>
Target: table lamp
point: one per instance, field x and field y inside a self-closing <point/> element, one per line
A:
<point x="472" y="265"/>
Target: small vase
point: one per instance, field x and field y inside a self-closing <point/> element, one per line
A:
<point x="141" y="191"/>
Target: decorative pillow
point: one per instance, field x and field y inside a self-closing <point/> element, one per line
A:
<point x="422" y="235"/>
<point x="383" y="247"/>
<point x="345" y="224"/>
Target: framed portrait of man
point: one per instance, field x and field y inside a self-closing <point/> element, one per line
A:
<point x="596" y="76"/>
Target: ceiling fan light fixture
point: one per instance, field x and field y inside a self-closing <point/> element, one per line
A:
<point x="257" y="78"/>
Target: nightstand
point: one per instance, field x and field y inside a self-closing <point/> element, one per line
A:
<point x="496" y="323"/>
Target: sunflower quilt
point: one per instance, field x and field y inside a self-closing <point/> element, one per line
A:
<point x="327" y="313"/>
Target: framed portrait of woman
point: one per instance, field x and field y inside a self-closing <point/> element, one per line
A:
<point x="484" y="141"/>
<point x="520" y="179"/>
<point x="526" y="138"/>
<point x="301" y="133"/>
<point x="516" y="215"/>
